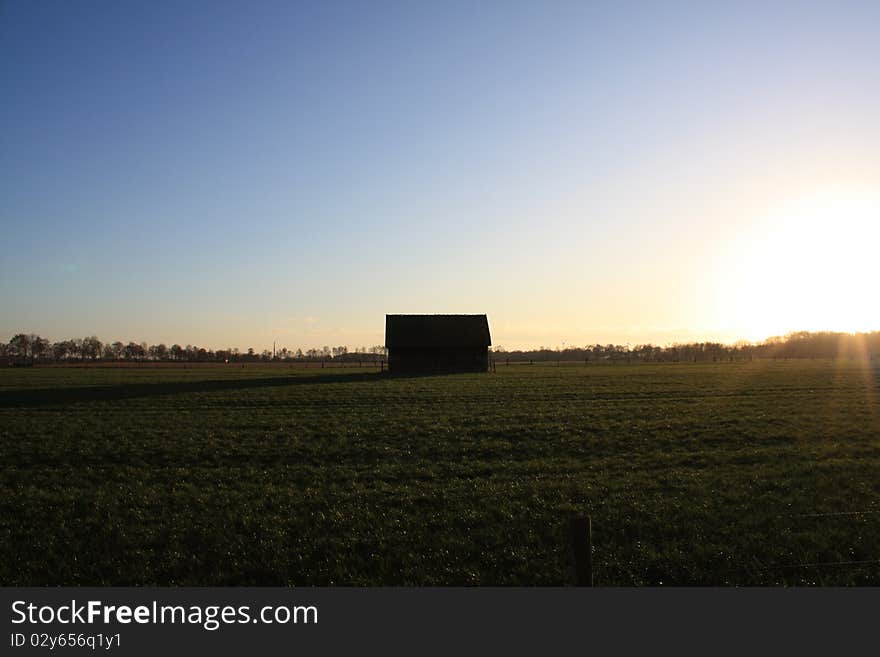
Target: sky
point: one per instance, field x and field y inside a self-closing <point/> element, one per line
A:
<point x="229" y="174"/>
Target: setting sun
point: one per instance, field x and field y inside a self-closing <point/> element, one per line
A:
<point x="805" y="265"/>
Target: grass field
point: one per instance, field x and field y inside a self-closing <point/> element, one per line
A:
<point x="693" y="474"/>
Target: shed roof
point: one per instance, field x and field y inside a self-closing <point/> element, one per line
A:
<point x="437" y="331"/>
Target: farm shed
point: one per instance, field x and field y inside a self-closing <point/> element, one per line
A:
<point x="420" y="344"/>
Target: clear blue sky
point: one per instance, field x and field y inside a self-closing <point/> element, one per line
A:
<point x="226" y="174"/>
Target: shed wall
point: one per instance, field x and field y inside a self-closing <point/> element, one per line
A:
<point x="414" y="360"/>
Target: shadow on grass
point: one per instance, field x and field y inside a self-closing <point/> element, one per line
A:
<point x="72" y="395"/>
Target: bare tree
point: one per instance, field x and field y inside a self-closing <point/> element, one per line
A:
<point x="39" y="347"/>
<point x="61" y="350"/>
<point x="20" y="345"/>
<point x="134" y="351"/>
<point x="91" y="347"/>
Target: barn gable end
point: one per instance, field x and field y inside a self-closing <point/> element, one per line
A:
<point x="437" y="343"/>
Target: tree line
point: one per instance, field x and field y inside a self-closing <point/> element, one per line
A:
<point x="25" y="348"/>
<point x="801" y="344"/>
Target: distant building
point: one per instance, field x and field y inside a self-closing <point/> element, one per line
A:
<point x="422" y="344"/>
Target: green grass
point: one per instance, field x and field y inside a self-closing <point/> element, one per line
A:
<point x="268" y="475"/>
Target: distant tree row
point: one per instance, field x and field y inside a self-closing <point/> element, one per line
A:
<point x="31" y="348"/>
<point x="803" y="344"/>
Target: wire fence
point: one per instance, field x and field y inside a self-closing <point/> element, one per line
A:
<point x="583" y="551"/>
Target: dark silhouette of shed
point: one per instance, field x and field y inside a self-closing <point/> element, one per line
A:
<point x="422" y="344"/>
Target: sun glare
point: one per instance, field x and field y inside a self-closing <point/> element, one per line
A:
<point x="809" y="264"/>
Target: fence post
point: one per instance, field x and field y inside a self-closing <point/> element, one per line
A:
<point x="581" y="534"/>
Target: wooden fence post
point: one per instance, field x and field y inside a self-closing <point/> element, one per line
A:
<point x="581" y="534"/>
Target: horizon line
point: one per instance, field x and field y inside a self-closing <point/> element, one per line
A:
<point x="564" y="347"/>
